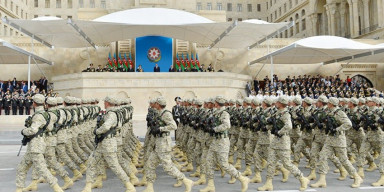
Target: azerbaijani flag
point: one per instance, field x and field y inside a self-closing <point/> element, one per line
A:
<point x="114" y="60"/>
<point x="110" y="61"/>
<point x="197" y="62"/>
<point x="125" y="62"/>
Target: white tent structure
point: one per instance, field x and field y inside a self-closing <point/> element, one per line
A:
<point x="11" y="54"/>
<point x="139" y="22"/>
<point x="373" y="56"/>
<point x="317" y="49"/>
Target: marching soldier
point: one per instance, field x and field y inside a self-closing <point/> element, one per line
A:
<point x="337" y="123"/>
<point x="219" y="147"/>
<point x="106" y="149"/>
<point x="36" y="147"/>
<point x="280" y="145"/>
<point x="162" y="148"/>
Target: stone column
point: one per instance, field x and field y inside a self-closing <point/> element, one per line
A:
<point x="331" y="10"/>
<point x="354" y="12"/>
<point x="313" y="19"/>
<point x="380" y="14"/>
<point x="366" y="14"/>
<point x="342" y="19"/>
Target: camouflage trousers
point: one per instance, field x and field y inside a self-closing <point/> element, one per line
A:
<point x="198" y="150"/>
<point x="76" y="148"/>
<point x="191" y="149"/>
<point x="373" y="141"/>
<point x="50" y="157"/>
<point x="83" y="145"/>
<point x="381" y="159"/>
<point x="96" y="163"/>
<point x="294" y="141"/>
<point x="37" y="159"/>
<point x="241" y="142"/>
<point x="220" y="157"/>
<point x="354" y="145"/>
<point x="154" y="159"/>
<point x="283" y="156"/>
<point x="249" y="151"/>
<point x="261" y="152"/>
<point x="71" y="153"/>
<point x="315" y="155"/>
<point x="233" y="142"/>
<point x="301" y="147"/>
<point x="63" y="156"/>
<point x="123" y="159"/>
<point x="204" y="152"/>
<point x="341" y="153"/>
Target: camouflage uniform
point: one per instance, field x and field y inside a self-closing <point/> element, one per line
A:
<point x="107" y="149"/>
<point x="162" y="150"/>
<point x="306" y="137"/>
<point x="36" y="148"/>
<point x="280" y="146"/>
<point x="235" y="129"/>
<point x="219" y="147"/>
<point x="244" y="135"/>
<point x="373" y="139"/>
<point x="336" y="143"/>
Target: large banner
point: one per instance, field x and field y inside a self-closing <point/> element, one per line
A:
<point x="152" y="50"/>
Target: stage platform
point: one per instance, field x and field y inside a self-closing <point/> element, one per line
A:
<point x="140" y="87"/>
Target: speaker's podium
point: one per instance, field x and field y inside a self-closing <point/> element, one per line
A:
<point x="140" y="87"/>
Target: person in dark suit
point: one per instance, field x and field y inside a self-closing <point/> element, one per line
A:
<point x="28" y="105"/>
<point x="139" y="69"/>
<point x="45" y="84"/>
<point x="14" y="101"/>
<point x="2" y="86"/>
<point x="10" y="87"/>
<point x="172" y="69"/>
<point x="14" y="82"/>
<point x="21" y="105"/>
<point x="1" y="101"/>
<point x="156" y="68"/>
<point x="7" y="104"/>
<point x="248" y="89"/>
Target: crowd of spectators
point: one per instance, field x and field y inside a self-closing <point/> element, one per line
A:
<point x="16" y="98"/>
<point x="108" y="68"/>
<point x="311" y="86"/>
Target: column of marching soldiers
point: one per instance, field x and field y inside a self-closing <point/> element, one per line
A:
<point x="267" y="134"/>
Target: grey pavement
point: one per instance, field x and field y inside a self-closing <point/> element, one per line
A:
<point x="9" y="162"/>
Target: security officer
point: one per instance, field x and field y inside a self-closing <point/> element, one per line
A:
<point x="28" y="104"/>
<point x="219" y="147"/>
<point x="7" y="104"/>
<point x="162" y="148"/>
<point x="36" y="147"/>
<point x="280" y="145"/>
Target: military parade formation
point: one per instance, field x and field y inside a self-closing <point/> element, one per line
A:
<point x="215" y="134"/>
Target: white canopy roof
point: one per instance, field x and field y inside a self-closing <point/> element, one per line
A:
<point x="134" y="23"/>
<point x="372" y="56"/>
<point x="317" y="49"/>
<point x="10" y="54"/>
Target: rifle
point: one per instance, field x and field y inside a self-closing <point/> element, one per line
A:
<point x="330" y="126"/>
<point x="262" y="124"/>
<point x="368" y="122"/>
<point x="21" y="146"/>
<point x="27" y="139"/>
<point x="355" y="124"/>
<point x="317" y="121"/>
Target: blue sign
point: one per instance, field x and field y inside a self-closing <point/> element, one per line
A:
<point x="152" y="50"/>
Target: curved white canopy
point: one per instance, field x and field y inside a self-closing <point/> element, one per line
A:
<point x="135" y="23"/>
<point x="317" y="49"/>
<point x="153" y="16"/>
<point x="11" y="54"/>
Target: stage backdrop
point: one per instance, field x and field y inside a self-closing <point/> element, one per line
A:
<point x="154" y="49"/>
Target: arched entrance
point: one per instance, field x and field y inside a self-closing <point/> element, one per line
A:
<point x="362" y="80"/>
